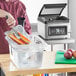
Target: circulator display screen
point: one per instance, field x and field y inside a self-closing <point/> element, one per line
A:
<point x="57" y="30"/>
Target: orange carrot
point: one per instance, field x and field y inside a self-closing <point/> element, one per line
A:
<point x="15" y="39"/>
<point x="24" y="38"/>
<point x="23" y="41"/>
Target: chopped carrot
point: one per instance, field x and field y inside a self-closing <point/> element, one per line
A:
<point x="15" y="39"/>
<point x="24" y="38"/>
<point x="21" y="40"/>
<point x="24" y="41"/>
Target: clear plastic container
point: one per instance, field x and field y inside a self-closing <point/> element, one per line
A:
<point x="24" y="56"/>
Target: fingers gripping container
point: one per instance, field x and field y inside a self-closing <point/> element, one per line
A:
<point x="24" y="56"/>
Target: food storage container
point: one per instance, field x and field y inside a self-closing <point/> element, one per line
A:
<point x="24" y="56"/>
<point x="29" y="55"/>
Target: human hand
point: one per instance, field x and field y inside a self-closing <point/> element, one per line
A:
<point x="2" y="13"/>
<point x="10" y="20"/>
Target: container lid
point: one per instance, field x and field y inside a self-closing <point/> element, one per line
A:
<point x="52" y="9"/>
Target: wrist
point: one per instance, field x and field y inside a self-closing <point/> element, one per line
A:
<point x="5" y="14"/>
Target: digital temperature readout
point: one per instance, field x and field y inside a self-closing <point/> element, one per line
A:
<point x="58" y="30"/>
